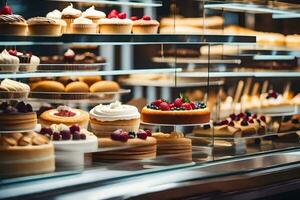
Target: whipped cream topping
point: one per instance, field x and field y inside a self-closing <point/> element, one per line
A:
<point x="92" y="13"/>
<point x="69" y="52"/>
<point x="6" y="58"/>
<point x="7" y="19"/>
<point x="71" y="11"/>
<point x="64" y="108"/>
<point x="145" y="22"/>
<point x="114" y="111"/>
<point x="271" y="100"/>
<point x="59" y="127"/>
<point x="55" y="14"/>
<point x="82" y="20"/>
<point x="12" y="85"/>
<point x="115" y="21"/>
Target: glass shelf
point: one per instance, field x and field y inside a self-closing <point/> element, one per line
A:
<point x="175" y="125"/>
<point x="119" y="39"/>
<point x="199" y="60"/>
<point x="86" y="73"/>
<point x="133" y="3"/>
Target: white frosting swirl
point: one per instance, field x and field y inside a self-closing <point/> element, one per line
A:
<point x="114" y="111"/>
<point x="55" y="14"/>
<point x="71" y="11"/>
<point x="69" y="52"/>
<point x="92" y="13"/>
<point x="12" y="85"/>
<point x="6" y="58"/>
<point x="115" y="21"/>
<point x="82" y="20"/>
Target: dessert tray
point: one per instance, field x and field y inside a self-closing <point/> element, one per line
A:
<point x="174" y="125"/>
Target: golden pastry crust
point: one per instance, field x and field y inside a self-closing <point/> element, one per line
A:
<point x="90" y="80"/>
<point x="48" y="86"/>
<point x="105" y="86"/>
<point x="77" y="87"/>
<point x="175" y="117"/>
<point x="18" y="121"/>
<point x="48" y="118"/>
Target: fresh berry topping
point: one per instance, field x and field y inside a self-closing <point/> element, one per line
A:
<point x="74" y="128"/>
<point x="193" y="105"/>
<point x="244" y="123"/>
<point x="6" y="10"/>
<point x="272" y="94"/>
<point x="232" y="116"/>
<point x="251" y="121"/>
<point x="146" y="18"/>
<point x="157" y="102"/>
<point x="246" y="118"/>
<point x="149" y="132"/>
<point x="202" y="105"/>
<point x="10" y="109"/>
<point x="187" y="106"/>
<point x="113" y="14"/>
<point x="123" y="137"/>
<point x="21" y="106"/>
<point x="76" y="135"/>
<point x="45" y="131"/>
<point x="241" y="115"/>
<point x="65" y="113"/>
<point x="171" y="105"/>
<point x="224" y="122"/>
<point x="248" y="114"/>
<point x="3" y="105"/>
<point x="263" y="118"/>
<point x="65" y="135"/>
<point x="134" y="18"/>
<point x="13" y="52"/>
<point x="258" y="121"/>
<point x="115" y="136"/>
<point x="122" y="15"/>
<point x="29" y="108"/>
<point x="142" y="134"/>
<point x="131" y="134"/>
<point x="56" y="136"/>
<point x="254" y="116"/>
<point x="295" y="121"/>
<point x="206" y="126"/>
<point x="178" y="102"/>
<point x="164" y="106"/>
<point x="82" y="136"/>
<point x="231" y="123"/>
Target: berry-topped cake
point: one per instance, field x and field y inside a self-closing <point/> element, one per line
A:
<point x="181" y="111"/>
<point x="64" y="115"/>
<point x="144" y="25"/>
<point x="115" y="23"/>
<point x="17" y="116"/>
<point x="123" y="145"/>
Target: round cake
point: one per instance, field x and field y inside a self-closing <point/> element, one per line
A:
<point x="145" y="25"/>
<point x="25" y="154"/>
<point x="64" y="115"/>
<point x="116" y="23"/>
<point x="104" y="119"/>
<point x="17" y="117"/>
<point x="125" y="145"/>
<point x="181" y="111"/>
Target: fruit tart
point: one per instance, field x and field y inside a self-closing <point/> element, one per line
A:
<point x="181" y="111"/>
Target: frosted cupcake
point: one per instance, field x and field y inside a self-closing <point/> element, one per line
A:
<point x="105" y="119"/>
<point x="56" y="15"/>
<point x="83" y="25"/>
<point x="145" y="25"/>
<point x="8" y="63"/>
<point x="43" y="26"/>
<point x="69" y="14"/>
<point x="94" y="15"/>
<point x="116" y="23"/>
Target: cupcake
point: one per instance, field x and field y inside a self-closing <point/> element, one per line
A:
<point x="43" y="26"/>
<point x="11" y="24"/>
<point x="69" y="14"/>
<point x="94" y="15"/>
<point x="83" y="25"/>
<point x="14" y="89"/>
<point x="116" y="23"/>
<point x="28" y="62"/>
<point x="8" y="63"/>
<point x="56" y="15"/>
<point x="105" y="119"/>
<point x="145" y="25"/>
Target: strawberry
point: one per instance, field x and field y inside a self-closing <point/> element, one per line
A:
<point x="157" y="102"/>
<point x="113" y="14"/>
<point x="187" y="106"/>
<point x="193" y="105"/>
<point x="13" y="52"/>
<point x="146" y="18"/>
<point x="134" y="18"/>
<point x="171" y="105"/>
<point x="178" y="102"/>
<point x="164" y="106"/>
<point x="122" y="15"/>
<point x="6" y="10"/>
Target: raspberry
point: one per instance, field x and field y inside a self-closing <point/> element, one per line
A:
<point x="178" y="102"/>
<point x="251" y="121"/>
<point x="142" y="134"/>
<point x="123" y="137"/>
<point x="225" y="122"/>
<point x="13" y="52"/>
<point x="232" y="116"/>
<point x="45" y="131"/>
<point x="74" y="128"/>
<point x="193" y="105"/>
<point x="157" y="102"/>
<point x="122" y="15"/>
<point x="65" y="135"/>
<point x="231" y="123"/>
<point x="146" y="18"/>
<point x="149" y="133"/>
<point x="56" y="136"/>
<point x="164" y="106"/>
<point x="263" y="118"/>
<point x="134" y="18"/>
<point x="187" y="106"/>
<point x="76" y="135"/>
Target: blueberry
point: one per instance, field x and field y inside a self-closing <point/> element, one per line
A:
<point x="10" y="109"/>
<point x="56" y="136"/>
<point x="206" y="126"/>
<point x="29" y="108"/>
<point x="148" y="106"/>
<point x="74" y="128"/>
<point x="21" y="106"/>
<point x="65" y="135"/>
<point x="3" y="105"/>
<point x="131" y="134"/>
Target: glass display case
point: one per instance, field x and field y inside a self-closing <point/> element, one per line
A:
<point x="135" y="99"/>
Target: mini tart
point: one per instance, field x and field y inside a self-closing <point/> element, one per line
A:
<point x="115" y="26"/>
<point x="13" y="25"/>
<point x="25" y="154"/>
<point x="105" y="86"/>
<point x="84" y="26"/>
<point x="18" y="121"/>
<point x="47" y="89"/>
<point x="133" y="149"/>
<point x="48" y="118"/>
<point x="174" y="146"/>
<point x="43" y="26"/>
<point x="76" y="87"/>
<point x="145" y="26"/>
<point x="196" y="116"/>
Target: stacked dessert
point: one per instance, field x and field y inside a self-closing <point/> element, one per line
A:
<point x="181" y="111"/>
